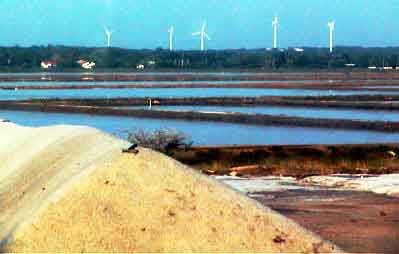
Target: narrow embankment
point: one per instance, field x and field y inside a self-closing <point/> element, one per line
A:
<point x="376" y="102"/>
<point x="241" y="118"/>
<point x="223" y="74"/>
<point x="379" y="85"/>
<point x="70" y="189"/>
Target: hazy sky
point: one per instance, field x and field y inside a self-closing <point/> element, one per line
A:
<point x="231" y="23"/>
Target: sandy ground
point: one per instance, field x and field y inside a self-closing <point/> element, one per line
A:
<point x="70" y="189"/>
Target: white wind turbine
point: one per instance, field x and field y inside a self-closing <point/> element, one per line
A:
<point x="108" y="33"/>
<point x="331" y="26"/>
<point x="275" y="26"/>
<point x="202" y="35"/>
<point x="171" y="31"/>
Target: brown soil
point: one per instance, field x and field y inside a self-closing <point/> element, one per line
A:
<point x="356" y="221"/>
<point x="293" y="160"/>
<point x="319" y="85"/>
<point x="321" y="75"/>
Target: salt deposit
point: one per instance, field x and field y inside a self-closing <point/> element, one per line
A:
<point x="71" y="189"/>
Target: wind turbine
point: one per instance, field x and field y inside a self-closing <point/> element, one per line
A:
<point x="202" y="35"/>
<point x="331" y="26"/>
<point x="171" y="31"/>
<point x="108" y="33"/>
<point x="275" y="26"/>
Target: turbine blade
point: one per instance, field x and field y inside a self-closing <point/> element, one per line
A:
<point x="207" y="36"/>
<point x="204" y="26"/>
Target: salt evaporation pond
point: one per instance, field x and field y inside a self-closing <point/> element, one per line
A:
<point x="308" y="112"/>
<point x="172" y="93"/>
<point x="206" y="133"/>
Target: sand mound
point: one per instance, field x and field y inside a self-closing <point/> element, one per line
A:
<point x="70" y="189"/>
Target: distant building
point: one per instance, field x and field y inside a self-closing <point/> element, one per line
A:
<point x="48" y="64"/>
<point x="350" y="65"/>
<point x="151" y="62"/>
<point x="86" y="64"/>
<point x="387" y="68"/>
<point x="372" y="67"/>
<point x="299" y="49"/>
<point x="140" y="67"/>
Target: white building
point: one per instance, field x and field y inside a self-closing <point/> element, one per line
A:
<point x="48" y="64"/>
<point x="86" y="64"/>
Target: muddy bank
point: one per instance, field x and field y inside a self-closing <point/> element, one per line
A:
<point x="382" y="102"/>
<point x="185" y="76"/>
<point x="293" y="160"/>
<point x="254" y="119"/>
<point x="383" y="85"/>
<point x="360" y="222"/>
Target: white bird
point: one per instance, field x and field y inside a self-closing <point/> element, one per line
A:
<point x="202" y="35"/>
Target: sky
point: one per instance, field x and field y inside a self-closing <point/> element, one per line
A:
<point x="231" y="23"/>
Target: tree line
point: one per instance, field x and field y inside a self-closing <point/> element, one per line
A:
<point x="29" y="58"/>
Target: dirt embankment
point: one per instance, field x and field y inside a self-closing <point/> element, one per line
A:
<point x="316" y="85"/>
<point x="293" y="160"/>
<point x="376" y="102"/>
<point x="70" y="189"/>
<point x="187" y="76"/>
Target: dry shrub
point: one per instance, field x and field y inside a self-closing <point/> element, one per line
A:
<point x="163" y="140"/>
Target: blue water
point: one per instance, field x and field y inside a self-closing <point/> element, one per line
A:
<point x="206" y="133"/>
<point x="169" y="93"/>
<point x="358" y="114"/>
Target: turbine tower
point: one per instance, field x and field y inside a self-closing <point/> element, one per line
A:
<point x="275" y="26"/>
<point x="331" y="26"/>
<point x="202" y="35"/>
<point x="171" y="31"/>
<point x="108" y="33"/>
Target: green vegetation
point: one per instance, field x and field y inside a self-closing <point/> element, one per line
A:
<point x="28" y="59"/>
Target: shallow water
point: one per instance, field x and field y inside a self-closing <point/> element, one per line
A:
<point x="171" y="92"/>
<point x="354" y="114"/>
<point x="206" y="133"/>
